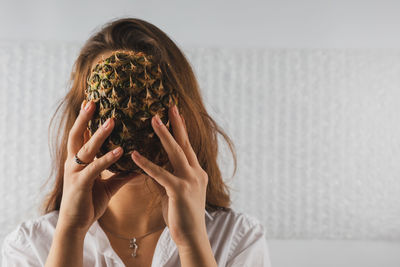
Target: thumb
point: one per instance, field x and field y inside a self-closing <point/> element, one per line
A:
<point x="115" y="182"/>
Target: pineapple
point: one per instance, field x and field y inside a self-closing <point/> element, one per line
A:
<point x="128" y="87"/>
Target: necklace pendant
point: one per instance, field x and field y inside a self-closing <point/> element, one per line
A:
<point x="133" y="246"/>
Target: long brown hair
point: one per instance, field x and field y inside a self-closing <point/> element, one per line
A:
<point x="138" y="35"/>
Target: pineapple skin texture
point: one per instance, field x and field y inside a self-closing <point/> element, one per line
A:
<point x="128" y="87"/>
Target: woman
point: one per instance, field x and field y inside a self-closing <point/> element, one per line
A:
<point x="94" y="217"/>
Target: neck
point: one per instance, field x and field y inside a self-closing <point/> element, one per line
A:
<point x="128" y="213"/>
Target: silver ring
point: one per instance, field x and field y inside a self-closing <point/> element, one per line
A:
<point x="77" y="160"/>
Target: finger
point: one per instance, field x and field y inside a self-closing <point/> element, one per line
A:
<point x="183" y="120"/>
<point x="175" y="153"/>
<point x="75" y="137"/>
<point x="86" y="136"/>
<point x="93" y="170"/>
<point x="162" y="176"/>
<point x="181" y="136"/>
<point x="92" y="146"/>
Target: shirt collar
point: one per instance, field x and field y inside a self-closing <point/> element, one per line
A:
<point x="164" y="250"/>
<point x="209" y="215"/>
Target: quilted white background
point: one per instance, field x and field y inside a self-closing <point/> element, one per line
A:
<point x="316" y="131"/>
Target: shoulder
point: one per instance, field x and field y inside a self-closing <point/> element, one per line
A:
<point x="29" y="227"/>
<point x="235" y="218"/>
<point x="236" y="223"/>
<point x="30" y="238"/>
<point x="242" y="236"/>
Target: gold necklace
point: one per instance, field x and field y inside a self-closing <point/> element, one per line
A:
<point x="132" y="241"/>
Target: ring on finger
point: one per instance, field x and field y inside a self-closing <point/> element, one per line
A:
<point x="77" y="160"/>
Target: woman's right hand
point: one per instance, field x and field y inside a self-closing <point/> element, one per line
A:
<point x="85" y="195"/>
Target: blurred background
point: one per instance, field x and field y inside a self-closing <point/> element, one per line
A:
<point x="309" y="91"/>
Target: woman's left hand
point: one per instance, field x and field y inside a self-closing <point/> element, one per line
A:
<point x="184" y="203"/>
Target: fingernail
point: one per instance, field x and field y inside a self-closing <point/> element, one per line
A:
<point x="117" y="151"/>
<point x="83" y="104"/>
<point x="107" y="123"/>
<point x="87" y="106"/>
<point x="159" y="122"/>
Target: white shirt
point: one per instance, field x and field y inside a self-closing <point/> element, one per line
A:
<point x="236" y="239"/>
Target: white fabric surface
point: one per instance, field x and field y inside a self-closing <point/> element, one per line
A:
<point x="236" y="239"/>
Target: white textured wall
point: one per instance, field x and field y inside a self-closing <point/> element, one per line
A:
<point x="317" y="134"/>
